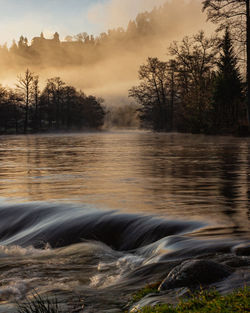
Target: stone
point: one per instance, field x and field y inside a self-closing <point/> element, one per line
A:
<point x="195" y="273"/>
<point x="242" y="249"/>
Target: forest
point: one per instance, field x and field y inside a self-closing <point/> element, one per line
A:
<point x="57" y="107"/>
<point x="202" y="87"/>
<point x="200" y="90"/>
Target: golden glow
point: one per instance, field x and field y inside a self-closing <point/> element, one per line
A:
<point x="110" y="69"/>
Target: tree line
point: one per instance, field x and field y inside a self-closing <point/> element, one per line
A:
<point x="200" y="89"/>
<point x="58" y="106"/>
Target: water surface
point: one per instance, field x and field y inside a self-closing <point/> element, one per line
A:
<point x="98" y="215"/>
<point x="186" y="176"/>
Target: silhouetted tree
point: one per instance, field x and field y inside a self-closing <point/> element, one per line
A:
<point x="10" y="111"/>
<point x="3" y="107"/>
<point x="25" y="86"/>
<point x="236" y="14"/>
<point x="92" y="112"/>
<point x="227" y="94"/>
<point x="55" y="89"/>
<point x="35" y="94"/>
<point x="151" y="94"/>
<point x="14" y="102"/>
<point x="172" y="70"/>
<point x="58" y="106"/>
<point x="195" y="60"/>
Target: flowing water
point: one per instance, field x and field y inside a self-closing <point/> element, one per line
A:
<point x="96" y="216"/>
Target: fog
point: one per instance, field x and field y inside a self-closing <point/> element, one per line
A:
<point x="107" y="65"/>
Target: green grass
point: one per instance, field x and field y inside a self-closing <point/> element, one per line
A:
<point x="207" y="302"/>
<point x="152" y="288"/>
<point x="200" y="302"/>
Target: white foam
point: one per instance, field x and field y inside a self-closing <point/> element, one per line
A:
<point x="18" y="251"/>
<point x="15" y="290"/>
<point x="110" y="273"/>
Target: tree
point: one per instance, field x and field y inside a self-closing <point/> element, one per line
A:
<point x="195" y="60"/>
<point x="151" y="94"/>
<point x="55" y="87"/>
<point x="63" y="107"/>
<point x="237" y="12"/>
<point x="14" y="109"/>
<point x="172" y="70"/>
<point x="81" y="37"/>
<point x="91" y="113"/>
<point x="3" y="107"/>
<point x="25" y="86"/>
<point x="35" y="94"/>
<point x="10" y="112"/>
<point x="227" y="94"/>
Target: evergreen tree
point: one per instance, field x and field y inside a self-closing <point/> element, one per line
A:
<point x="238" y="13"/>
<point x="227" y="94"/>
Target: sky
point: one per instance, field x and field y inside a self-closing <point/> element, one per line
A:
<point x="68" y="17"/>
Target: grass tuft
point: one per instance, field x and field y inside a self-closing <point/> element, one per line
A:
<point x="39" y="305"/>
<point x="207" y="302"/>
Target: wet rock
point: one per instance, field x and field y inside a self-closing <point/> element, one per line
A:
<point x="153" y="299"/>
<point x="232" y="260"/>
<point x="237" y="262"/>
<point x="195" y="273"/>
<point x="242" y="249"/>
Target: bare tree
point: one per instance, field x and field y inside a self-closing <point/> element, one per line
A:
<point x="55" y="87"/>
<point x="151" y="93"/>
<point x="25" y="85"/>
<point x="195" y="60"/>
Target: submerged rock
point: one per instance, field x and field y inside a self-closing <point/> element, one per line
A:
<point x="194" y="273"/>
<point x="242" y="249"/>
<point x="171" y="297"/>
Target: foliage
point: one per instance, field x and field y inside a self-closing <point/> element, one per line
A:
<point x="187" y="94"/>
<point x="227" y="92"/>
<point x="152" y="94"/>
<point x="195" y="59"/>
<point x="235" y="15"/>
<point x="228" y="13"/>
<point x="176" y="94"/>
<point x="57" y="107"/>
<point x="206" y="302"/>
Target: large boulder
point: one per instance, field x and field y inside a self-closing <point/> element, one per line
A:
<point x="195" y="272"/>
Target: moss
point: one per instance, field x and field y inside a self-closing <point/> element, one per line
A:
<point x="207" y="302"/>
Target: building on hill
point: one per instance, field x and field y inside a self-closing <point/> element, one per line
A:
<point x="42" y="42"/>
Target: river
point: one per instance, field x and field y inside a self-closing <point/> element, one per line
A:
<point x="81" y="213"/>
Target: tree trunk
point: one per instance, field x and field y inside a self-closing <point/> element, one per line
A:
<point x="248" y="57"/>
<point x="172" y="101"/>
<point x="26" y="111"/>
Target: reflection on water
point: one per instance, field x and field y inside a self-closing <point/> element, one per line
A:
<point x="187" y="176"/>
